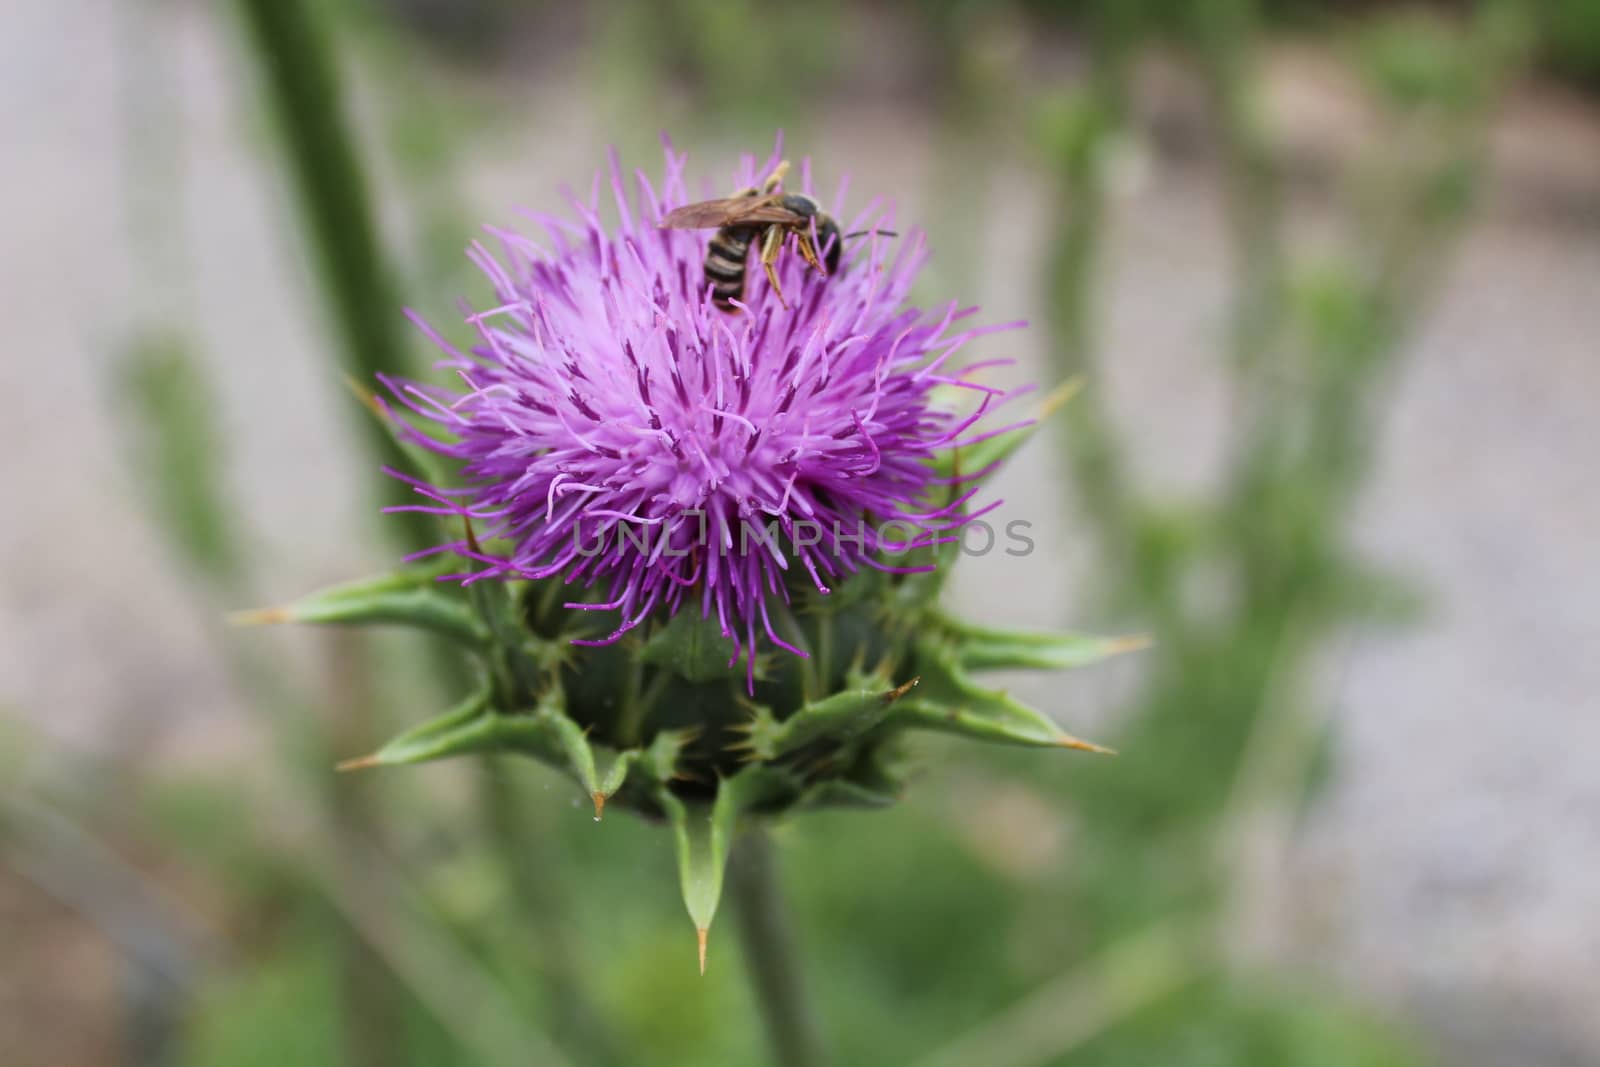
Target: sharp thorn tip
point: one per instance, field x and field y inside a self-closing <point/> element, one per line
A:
<point x="1060" y="395"/>
<point x="1068" y="741"/>
<point x="1129" y="643"/>
<point x="260" y="617"/>
<point x="895" y="694"/>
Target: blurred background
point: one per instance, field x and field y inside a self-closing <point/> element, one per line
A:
<point x="1331" y="274"/>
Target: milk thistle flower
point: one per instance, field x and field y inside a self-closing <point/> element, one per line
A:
<point x="620" y="431"/>
<point x="704" y="544"/>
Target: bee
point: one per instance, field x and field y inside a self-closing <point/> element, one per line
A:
<point x="763" y="214"/>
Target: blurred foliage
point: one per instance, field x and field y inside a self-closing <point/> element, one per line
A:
<point x="752" y="59"/>
<point x="1220" y="1024"/>
<point x="1570" y="30"/>
<point x="177" y="457"/>
<point x="1221" y="726"/>
<point x="933" y="921"/>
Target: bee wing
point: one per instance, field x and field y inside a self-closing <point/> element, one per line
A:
<point x="730" y="211"/>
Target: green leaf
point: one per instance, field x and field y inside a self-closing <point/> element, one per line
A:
<point x="949" y="701"/>
<point x="437" y="738"/>
<point x="613" y="779"/>
<point x="980" y="648"/>
<point x="702" y="836"/>
<point x="840" y="718"/>
<point x="475" y="727"/>
<point x="404" y="598"/>
<point x="1017" y="724"/>
<point x="578" y="756"/>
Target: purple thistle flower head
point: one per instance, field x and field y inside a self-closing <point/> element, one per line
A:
<point x="618" y="430"/>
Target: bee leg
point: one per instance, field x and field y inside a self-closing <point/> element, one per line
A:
<point x="771" y="246"/>
<point x="808" y="252"/>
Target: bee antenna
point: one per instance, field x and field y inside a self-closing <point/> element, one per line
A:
<point x="863" y="233"/>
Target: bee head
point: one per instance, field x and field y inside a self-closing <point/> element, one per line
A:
<point x="801" y="204"/>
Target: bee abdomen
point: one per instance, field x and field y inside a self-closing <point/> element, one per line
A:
<point x="721" y="269"/>
<point x="725" y="264"/>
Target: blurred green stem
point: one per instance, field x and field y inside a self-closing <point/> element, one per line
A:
<point x="299" y="76"/>
<point x="1126" y="978"/>
<point x="526" y="862"/>
<point x="1225" y="35"/>
<point x="300" y="79"/>
<point x="373" y="999"/>
<point x="769" y="953"/>
<point x="1085" y="150"/>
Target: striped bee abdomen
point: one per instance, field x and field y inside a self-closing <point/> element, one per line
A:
<point x="726" y="257"/>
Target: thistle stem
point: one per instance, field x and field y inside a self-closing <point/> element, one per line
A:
<point x="526" y="862"/>
<point x="769" y="953"/>
<point x="300" y="83"/>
